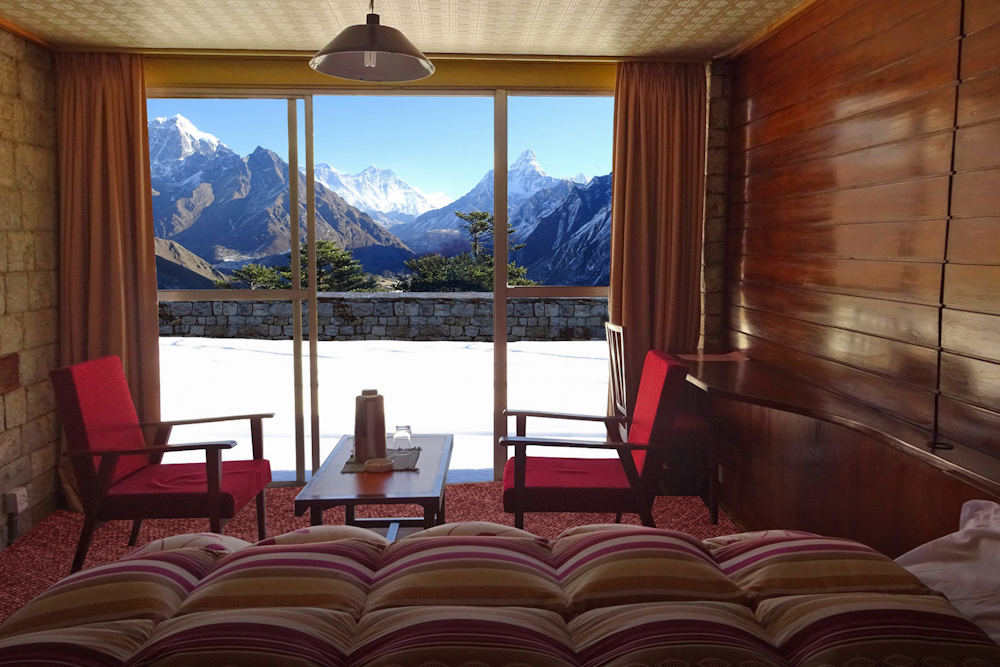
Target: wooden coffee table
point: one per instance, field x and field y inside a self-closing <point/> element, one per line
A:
<point x="425" y="486"/>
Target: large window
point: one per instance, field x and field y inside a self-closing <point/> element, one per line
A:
<point x="278" y="260"/>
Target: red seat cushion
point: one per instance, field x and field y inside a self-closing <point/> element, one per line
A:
<point x="179" y="490"/>
<point x="570" y="485"/>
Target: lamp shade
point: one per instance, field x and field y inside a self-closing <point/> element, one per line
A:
<point x="372" y="52"/>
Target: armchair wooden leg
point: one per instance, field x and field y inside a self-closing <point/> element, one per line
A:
<point x="261" y="516"/>
<point x="618" y="517"/>
<point x="134" y="535"/>
<point x="83" y="546"/>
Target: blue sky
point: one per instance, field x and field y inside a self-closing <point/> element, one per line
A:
<point x="437" y="144"/>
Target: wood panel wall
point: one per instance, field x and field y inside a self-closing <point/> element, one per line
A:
<point x="969" y="404"/>
<point x="863" y="251"/>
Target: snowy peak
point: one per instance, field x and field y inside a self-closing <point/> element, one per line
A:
<point x="379" y="192"/>
<point x="173" y="139"/>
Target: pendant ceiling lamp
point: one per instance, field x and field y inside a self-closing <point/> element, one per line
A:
<point x="372" y="52"/>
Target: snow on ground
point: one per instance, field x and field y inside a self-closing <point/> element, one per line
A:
<point x="435" y="387"/>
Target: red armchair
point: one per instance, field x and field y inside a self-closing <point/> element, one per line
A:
<point x="120" y="477"/>
<point x="658" y="429"/>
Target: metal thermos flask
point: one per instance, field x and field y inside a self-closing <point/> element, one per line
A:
<point x="369" y="426"/>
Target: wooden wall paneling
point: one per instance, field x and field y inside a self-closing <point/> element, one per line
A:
<point x="978" y="147"/>
<point x="817" y="49"/>
<point x="923" y="114"/>
<point x="976" y="194"/>
<point x="880" y="48"/>
<point x="979" y="98"/>
<point x="918" y="282"/>
<point x="972" y="380"/>
<point x="907" y="200"/>
<point x="979" y="50"/>
<point x="907" y="322"/>
<point x="972" y="287"/>
<point x="918" y="74"/>
<point x="812" y="475"/>
<point x="812" y="20"/>
<point x="921" y="240"/>
<point x="895" y="360"/>
<point x="971" y="425"/>
<point x="975" y="334"/>
<point x="904" y="401"/>
<point x="907" y="160"/>
<point x="980" y="13"/>
<point x="974" y="241"/>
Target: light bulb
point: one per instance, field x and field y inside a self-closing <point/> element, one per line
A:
<point x="369" y="58"/>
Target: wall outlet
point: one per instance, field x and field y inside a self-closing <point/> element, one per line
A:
<point x="16" y="500"/>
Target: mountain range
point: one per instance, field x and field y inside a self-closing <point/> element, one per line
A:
<point x="220" y="210"/>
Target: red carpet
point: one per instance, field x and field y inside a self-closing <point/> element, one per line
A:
<point x="43" y="556"/>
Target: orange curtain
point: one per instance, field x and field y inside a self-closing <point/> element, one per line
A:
<point x="656" y="211"/>
<point x="107" y="269"/>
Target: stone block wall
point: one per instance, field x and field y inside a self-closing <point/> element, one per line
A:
<point x="463" y="316"/>
<point x="713" y="259"/>
<point x="29" y="431"/>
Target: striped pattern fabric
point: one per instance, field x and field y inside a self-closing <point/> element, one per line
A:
<point x="773" y="566"/>
<point x="475" y="528"/>
<point x="875" y="629"/>
<point x="326" y="534"/>
<point x="716" y="543"/>
<point x="480" y="571"/>
<point x="613" y="567"/>
<point x="328" y="575"/>
<point x="265" y="638"/>
<point x="96" y="645"/>
<point x="213" y="541"/>
<point x="472" y="595"/>
<point x="673" y="633"/>
<point x="462" y="635"/>
<point x="150" y="588"/>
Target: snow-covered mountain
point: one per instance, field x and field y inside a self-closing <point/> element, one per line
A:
<point x="380" y="193"/>
<point x="223" y="207"/>
<point x="441" y="230"/>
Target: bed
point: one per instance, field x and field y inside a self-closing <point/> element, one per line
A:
<point x="485" y="594"/>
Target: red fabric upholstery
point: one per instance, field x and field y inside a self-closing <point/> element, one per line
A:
<point x="97" y="412"/>
<point x="180" y="491"/>
<point x="656" y="403"/>
<point x="600" y="485"/>
<point x="570" y="485"/>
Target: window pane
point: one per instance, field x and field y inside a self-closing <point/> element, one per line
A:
<point x="559" y="188"/>
<point x="408" y="164"/>
<point x="219" y="170"/>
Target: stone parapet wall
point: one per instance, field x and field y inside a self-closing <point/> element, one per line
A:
<point x="465" y="316"/>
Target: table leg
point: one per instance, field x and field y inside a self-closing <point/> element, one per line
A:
<point x="315" y="516"/>
<point x="430" y="516"/>
<point x="440" y="513"/>
<point x="349" y="515"/>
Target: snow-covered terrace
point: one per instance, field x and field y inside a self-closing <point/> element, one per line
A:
<point x="435" y="387"/>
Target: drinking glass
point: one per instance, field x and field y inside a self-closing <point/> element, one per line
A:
<point x="402" y="438"/>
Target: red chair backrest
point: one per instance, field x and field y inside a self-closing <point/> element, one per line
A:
<point x="97" y="413"/>
<point x="656" y="404"/>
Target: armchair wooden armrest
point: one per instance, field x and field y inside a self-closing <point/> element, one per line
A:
<point x="609" y="421"/>
<point x="163" y="429"/>
<point x="207" y="420"/>
<point x="188" y="446"/>
<point x="588" y="444"/>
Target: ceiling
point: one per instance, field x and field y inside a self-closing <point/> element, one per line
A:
<point x="623" y="28"/>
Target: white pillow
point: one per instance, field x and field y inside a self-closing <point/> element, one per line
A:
<point x="964" y="565"/>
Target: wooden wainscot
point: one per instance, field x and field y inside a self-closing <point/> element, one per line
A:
<point x="796" y="456"/>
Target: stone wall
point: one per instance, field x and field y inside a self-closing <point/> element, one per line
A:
<point x="29" y="432"/>
<point x="391" y="316"/>
<point x="713" y="259"/>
